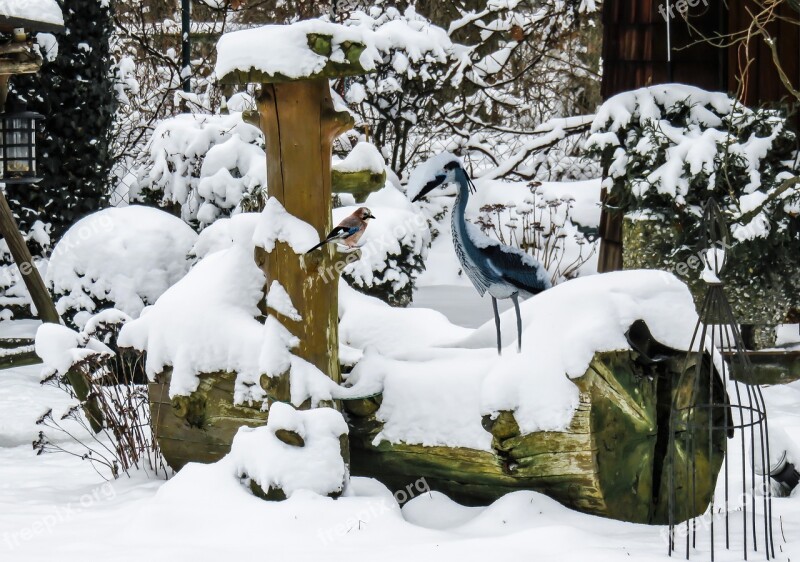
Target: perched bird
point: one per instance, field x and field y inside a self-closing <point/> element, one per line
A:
<point x="349" y="231"/>
<point x="503" y="271"/>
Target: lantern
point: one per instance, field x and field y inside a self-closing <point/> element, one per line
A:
<point x="18" y="147"/>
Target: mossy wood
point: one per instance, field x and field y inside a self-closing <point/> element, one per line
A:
<point x="359" y="184"/>
<point x="299" y="124"/>
<point x="320" y="44"/>
<point x="612" y="460"/>
<point x="200" y="427"/>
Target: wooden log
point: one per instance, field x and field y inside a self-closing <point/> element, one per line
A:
<point x="359" y="184"/>
<point x="611" y="460"/>
<point x="201" y="427"/>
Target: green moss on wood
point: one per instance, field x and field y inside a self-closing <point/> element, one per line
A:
<point x="360" y="184"/>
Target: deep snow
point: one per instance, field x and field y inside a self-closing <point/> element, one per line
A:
<point x="55" y="507"/>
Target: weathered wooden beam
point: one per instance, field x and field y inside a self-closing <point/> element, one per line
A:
<point x="22" y="257"/>
<point x="299" y="125"/>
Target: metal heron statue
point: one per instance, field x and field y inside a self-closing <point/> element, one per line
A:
<point x="505" y="272"/>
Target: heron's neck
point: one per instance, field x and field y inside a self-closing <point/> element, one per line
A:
<point x="459" y="216"/>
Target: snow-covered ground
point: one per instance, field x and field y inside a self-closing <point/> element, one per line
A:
<point x="56" y="507"/>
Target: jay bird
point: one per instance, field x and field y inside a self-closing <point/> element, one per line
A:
<point x="349" y="231"/>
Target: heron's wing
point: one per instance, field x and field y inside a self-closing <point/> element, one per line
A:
<point x="521" y="270"/>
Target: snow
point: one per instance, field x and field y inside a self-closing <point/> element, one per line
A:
<point x="207" y="323"/>
<point x="282" y="50"/>
<point x="45" y="11"/>
<point x="279" y="301"/>
<point x="258" y="455"/>
<point x="51" y="500"/>
<point x="203" y="163"/>
<point x="126" y="256"/>
<point x="416" y="354"/>
<point x="221" y="234"/>
<point x="60" y="347"/>
<point x="277" y="225"/>
<point x="364" y="157"/>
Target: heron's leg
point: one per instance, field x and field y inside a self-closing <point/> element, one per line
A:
<point x="497" y="325"/>
<point x="515" y="298"/>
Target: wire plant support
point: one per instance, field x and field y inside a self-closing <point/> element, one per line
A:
<point x="718" y="430"/>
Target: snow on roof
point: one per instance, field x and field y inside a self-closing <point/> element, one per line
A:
<point x="45" y="11"/>
<point x="283" y="50"/>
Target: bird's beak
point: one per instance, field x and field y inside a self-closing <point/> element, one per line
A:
<point x="371" y="216"/>
<point x="430" y="186"/>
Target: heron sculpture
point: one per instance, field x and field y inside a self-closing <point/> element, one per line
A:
<point x="505" y="272"/>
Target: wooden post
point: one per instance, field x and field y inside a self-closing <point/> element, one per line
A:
<point x="299" y="125"/>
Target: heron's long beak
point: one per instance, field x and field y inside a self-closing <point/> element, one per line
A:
<point x="430" y="186"/>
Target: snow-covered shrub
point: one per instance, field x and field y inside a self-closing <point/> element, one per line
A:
<point x="394" y="247"/>
<point x="121" y="257"/>
<point x="111" y="401"/>
<point x="203" y="165"/>
<point x="296" y="450"/>
<point x="670" y="148"/>
<point x="545" y="225"/>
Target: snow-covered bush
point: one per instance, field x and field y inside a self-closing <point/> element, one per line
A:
<point x="110" y="399"/>
<point x="203" y="165"/>
<point x="121" y="257"/>
<point x="546" y="224"/>
<point x="394" y="248"/>
<point x="670" y="148"/>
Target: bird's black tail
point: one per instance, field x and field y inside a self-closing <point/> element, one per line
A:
<point x="321" y="244"/>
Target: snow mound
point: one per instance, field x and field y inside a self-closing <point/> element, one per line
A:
<point x="317" y="465"/>
<point x="126" y="257"/>
<point x="364" y="156"/>
<point x="277" y="225"/>
<point x="221" y="234"/>
<point x="439" y="380"/>
<point x="60" y="348"/>
<point x="208" y="322"/>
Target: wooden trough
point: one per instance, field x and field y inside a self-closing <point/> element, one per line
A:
<point x="611" y="461"/>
